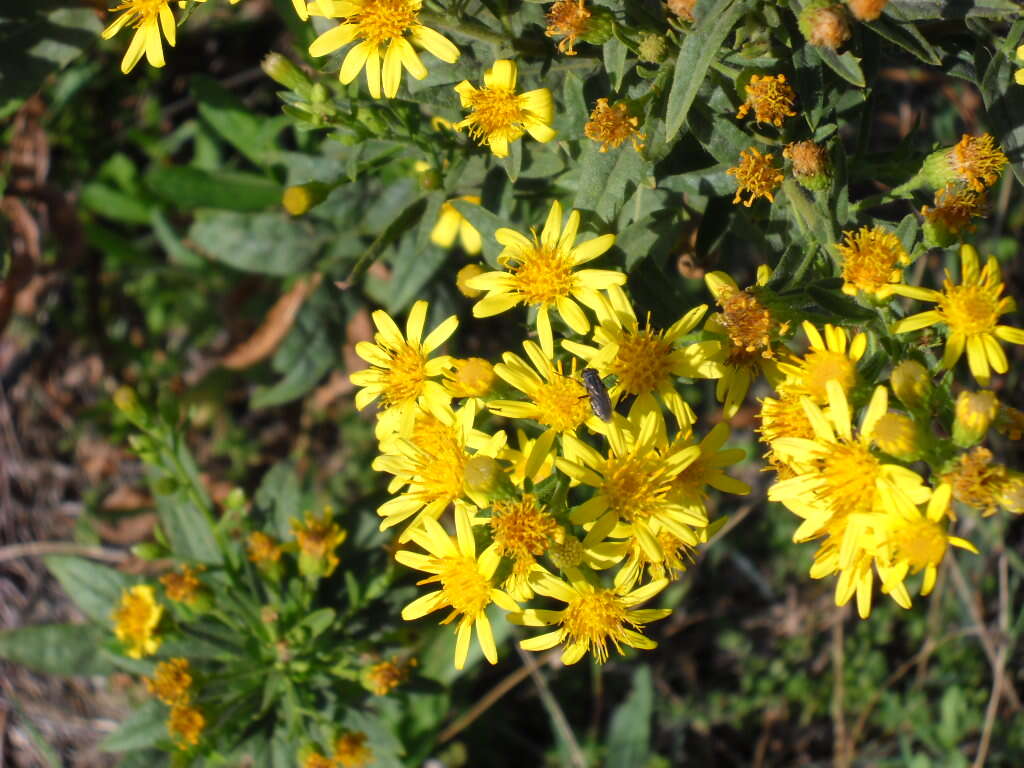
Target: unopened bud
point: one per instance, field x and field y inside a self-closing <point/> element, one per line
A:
<point x="911" y="384"/>
<point x="682" y="8"/>
<point x="283" y="72"/>
<point x="298" y="199"/>
<point x="464" y="275"/>
<point x="975" y="412"/>
<point x="867" y="10"/>
<point x="1011" y="494"/>
<point x="652" y="49"/>
<point x="897" y="435"/>
<point x="482" y="474"/>
<point x="127" y="402"/>
<point x="825" y="23"/>
<point x="599" y="27"/>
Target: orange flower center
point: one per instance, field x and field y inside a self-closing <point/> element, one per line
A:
<point x="380" y="21"/>
<point x="969" y="309"/>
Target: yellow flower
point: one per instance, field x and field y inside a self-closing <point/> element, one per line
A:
<point x="556" y="400"/>
<point x="592" y="617"/>
<point x="469" y="377"/>
<point x="976" y="161"/>
<point x="634" y="484"/>
<point x="451" y="223"/>
<point x="751" y="332"/>
<point x="912" y="542"/>
<point x="827" y="360"/>
<point x="976" y="480"/>
<point x="970" y="312"/>
<point x="383" y="677"/>
<point x="974" y="414"/>
<point x="689" y="488"/>
<point x="911" y="383"/>
<point x="567" y="18"/>
<point x="755" y="175"/>
<point x="611" y="125"/>
<point x="1019" y="75"/>
<point x="351" y="751"/>
<point x="677" y="554"/>
<point x="498" y="115"/>
<point x="148" y="18"/>
<point x="843" y="491"/>
<point x="783" y="417"/>
<point x="185" y="724"/>
<point x="810" y="164"/>
<point x="263" y="550"/>
<point x="542" y="273"/>
<point x="400" y="371"/>
<point x="520" y="458"/>
<point x="462" y="278"/>
<point x="770" y="98"/>
<point x="318" y="538"/>
<point x="954" y="209"/>
<point x="466" y="585"/>
<point x="432" y="461"/>
<point x="522" y="530"/>
<point x="182" y="587"/>
<point x="171" y="681"/>
<point x="387" y="30"/>
<point x="135" y="620"/>
<point x="872" y="260"/>
<point x="897" y="435"/>
<point x="646" y="362"/>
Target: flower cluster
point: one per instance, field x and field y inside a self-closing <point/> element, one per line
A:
<point x="593" y="512"/>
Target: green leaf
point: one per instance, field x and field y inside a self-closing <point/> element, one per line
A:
<point x="190" y="535"/>
<point x="696" y="55"/>
<point x="252" y="135"/>
<point x="57" y="649"/>
<point x="412" y="270"/>
<point x="615" y="52"/>
<point x="629" y="734"/>
<point x="146" y="726"/>
<point x="927" y="10"/>
<point x="595" y="168"/>
<point x="839" y="305"/>
<point x="907" y="37"/>
<point x="187" y="187"/>
<point x="318" y="621"/>
<point x="398" y="226"/>
<point x="846" y="65"/>
<point x="575" y="110"/>
<point x="95" y="589"/>
<point x="267" y="243"/>
<point x="280" y="496"/>
<point x="39" y="38"/>
<point x="115" y="204"/>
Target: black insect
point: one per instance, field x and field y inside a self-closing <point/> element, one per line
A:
<point x="600" y="403"/>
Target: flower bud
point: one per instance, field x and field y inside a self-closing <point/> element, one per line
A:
<point x="283" y="72"/>
<point x="974" y="162"/>
<point x="463" y="276"/>
<point x="652" y="49"/>
<point x="867" y="10"/>
<point x="599" y="27"/>
<point x="682" y="8"/>
<point x="897" y="435"/>
<point x="1011" y="494"/>
<point x="975" y="412"/>
<point x="483" y="475"/>
<point x="127" y="402"/>
<point x="911" y="384"/>
<point x="298" y="199"/>
<point x="825" y="23"/>
<point x="810" y="163"/>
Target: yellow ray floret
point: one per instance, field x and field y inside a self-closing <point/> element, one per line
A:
<point x="148" y="18"/>
<point x="386" y="30"/>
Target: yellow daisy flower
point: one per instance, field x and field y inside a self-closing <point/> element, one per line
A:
<point x="469" y="377"/>
<point x="387" y="31"/>
<point x="873" y="259"/>
<point x="782" y="416"/>
<point x="466" y="585"/>
<point x="171" y="681"/>
<point x="646" y="362"/>
<point x="831" y="358"/>
<point x="756" y="175"/>
<point x="677" y="555"/>
<point x="843" y="491"/>
<point x="430" y="462"/>
<point x="770" y="98"/>
<point x="523" y="530"/>
<point x="452" y="224"/>
<point x="542" y="273"/>
<point x="970" y="311"/>
<point x="400" y="373"/>
<point x="611" y="124"/>
<point x="592" y="617"/>
<point x="148" y="18"/>
<point x="633" y="484"/>
<point x="498" y="115"/>
<point x="185" y="723"/>
<point x="915" y="542"/>
<point x="135" y="621"/>
<point x="690" y="486"/>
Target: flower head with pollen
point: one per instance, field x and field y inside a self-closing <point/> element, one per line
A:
<point x="452" y="224"/>
<point x="612" y="124"/>
<point x="384" y="676"/>
<point x="970" y="311"/>
<point x="638" y="567"/>
<point x="171" y="681"/>
<point x="977" y="480"/>
<point x="147" y="18"/>
<point x="466" y="582"/>
<point x="135" y="621"/>
<point x="783" y="416"/>
<point x="832" y="357"/>
<point x="751" y="333"/>
<point x="352" y="751"/>
<point x="542" y="272"/>
<point x="185" y="724"/>
<point x="522" y="531"/>
<point x="386" y="30"/>
<point x="873" y="259"/>
<point x="770" y="98"/>
<point x="810" y="164"/>
<point x="977" y="161"/>
<point x="755" y="175"/>
<point x="844" y="492"/>
<point x="431" y="463"/>
<point x="263" y="549"/>
<point x="401" y="372"/>
<point x="317" y="539"/>
<point x="633" y="484"/>
<point x="689" y="488"/>
<point x="182" y="586"/>
<point x="955" y="208"/>
<point x="592" y="618"/>
<point x="567" y="19"/>
<point x="646" y="361"/>
<point x="499" y="115"/>
<point x="913" y="542"/>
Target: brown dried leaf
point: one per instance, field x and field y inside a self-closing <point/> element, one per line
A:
<point x="274" y="328"/>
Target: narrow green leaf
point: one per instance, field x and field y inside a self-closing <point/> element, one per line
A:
<point x="907" y="37"/>
<point x="146" y="726"/>
<point x="57" y="649"/>
<point x="187" y="187"/>
<point x="615" y="52"/>
<point x="1005" y="107"/>
<point x="696" y="55"/>
<point x="95" y="589"/>
<point x="250" y="134"/>
<point x="266" y="243"/>
<point x="846" y="65"/>
<point x="412" y="270"/>
<point x="318" y="357"/>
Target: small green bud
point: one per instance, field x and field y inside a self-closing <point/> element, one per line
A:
<point x="975" y="412"/>
<point x="600" y="27"/>
<point x="298" y="199"/>
<point x="283" y="72"/>
<point x="318" y="94"/>
<point x="911" y="384"/>
<point x="149" y="550"/>
<point x="652" y="49"/>
<point x="128" y="403"/>
<point x="430" y="180"/>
